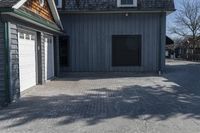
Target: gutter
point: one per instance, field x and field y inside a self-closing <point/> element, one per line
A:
<point x="6" y="62"/>
<point x="26" y="17"/>
<point x="7" y="93"/>
<point x="160" y="54"/>
<point x="159" y="49"/>
<point x="6" y="10"/>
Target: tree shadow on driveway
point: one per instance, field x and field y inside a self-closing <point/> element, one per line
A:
<point x="96" y="105"/>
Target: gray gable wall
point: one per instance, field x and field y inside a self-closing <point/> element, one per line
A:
<point x="90" y="38"/>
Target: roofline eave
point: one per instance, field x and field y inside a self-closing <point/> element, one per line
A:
<point x="20" y="16"/>
<point x="114" y="11"/>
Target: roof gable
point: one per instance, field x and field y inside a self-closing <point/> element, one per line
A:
<point x="41" y="10"/>
<point x="16" y="4"/>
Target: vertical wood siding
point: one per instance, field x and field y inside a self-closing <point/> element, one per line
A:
<point x="91" y="40"/>
<point x="2" y="61"/>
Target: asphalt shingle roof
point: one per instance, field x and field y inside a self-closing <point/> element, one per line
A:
<point x="105" y="5"/>
<point x="110" y="5"/>
<point x="7" y="3"/>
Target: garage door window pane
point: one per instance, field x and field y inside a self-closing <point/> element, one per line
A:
<point x="32" y="37"/>
<point x="21" y="35"/>
<point x="126" y="2"/>
<point x="27" y="36"/>
<point x="126" y="50"/>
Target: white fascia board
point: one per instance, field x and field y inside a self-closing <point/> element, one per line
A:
<point x="19" y="4"/>
<point x="55" y="14"/>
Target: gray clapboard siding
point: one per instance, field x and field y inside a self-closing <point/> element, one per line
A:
<point x="91" y="39"/>
<point x="2" y="61"/>
<point x="14" y="62"/>
<point x="43" y="56"/>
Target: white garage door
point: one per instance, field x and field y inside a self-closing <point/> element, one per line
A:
<point x="49" y="57"/>
<point x="27" y="59"/>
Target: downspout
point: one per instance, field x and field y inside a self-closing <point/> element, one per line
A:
<point x="159" y="46"/>
<point x="6" y="62"/>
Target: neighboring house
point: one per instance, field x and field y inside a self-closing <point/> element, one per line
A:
<point x="186" y="50"/>
<point x="113" y="35"/>
<point x="169" y="48"/>
<point x="29" y="31"/>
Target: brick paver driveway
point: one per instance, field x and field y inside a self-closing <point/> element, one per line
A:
<point x="111" y="104"/>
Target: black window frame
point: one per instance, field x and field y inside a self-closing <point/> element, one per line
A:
<point x="126" y="2"/>
<point x="139" y="51"/>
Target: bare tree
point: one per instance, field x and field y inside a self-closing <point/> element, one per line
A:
<point x="187" y="21"/>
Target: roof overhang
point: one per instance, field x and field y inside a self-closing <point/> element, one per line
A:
<point x="116" y="11"/>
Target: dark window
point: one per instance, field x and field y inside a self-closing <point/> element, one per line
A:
<point x="64" y="51"/>
<point x="126" y="50"/>
<point x="126" y="2"/>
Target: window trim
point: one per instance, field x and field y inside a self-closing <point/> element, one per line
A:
<point x="119" y="4"/>
<point x="59" y="5"/>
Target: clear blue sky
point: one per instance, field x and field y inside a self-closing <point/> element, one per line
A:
<point x="170" y="18"/>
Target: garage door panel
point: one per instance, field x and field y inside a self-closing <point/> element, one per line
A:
<point x="26" y="52"/>
<point x="27" y="72"/>
<point x="27" y="60"/>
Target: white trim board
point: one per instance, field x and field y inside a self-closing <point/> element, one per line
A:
<point x="19" y="4"/>
<point x="54" y="11"/>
